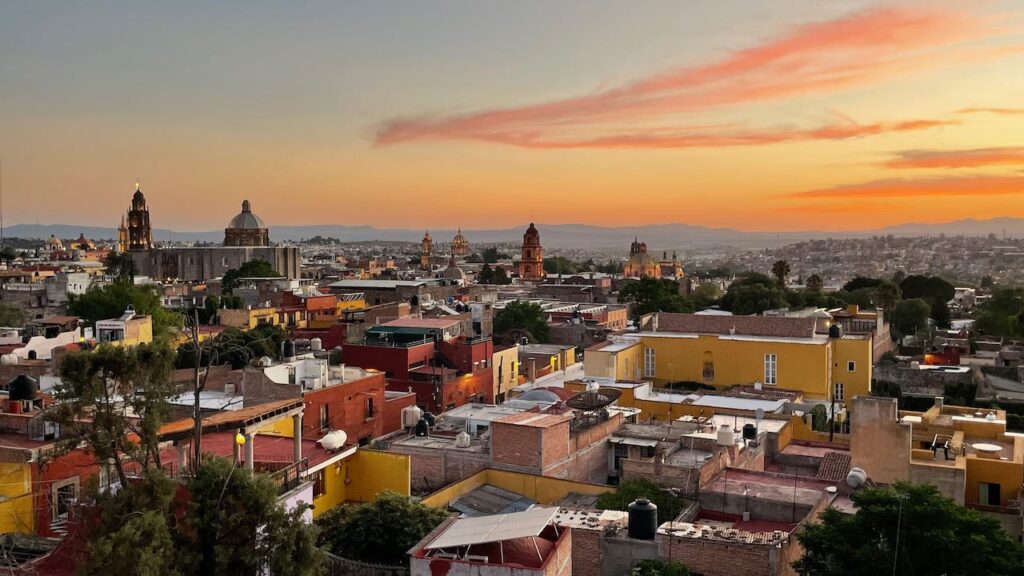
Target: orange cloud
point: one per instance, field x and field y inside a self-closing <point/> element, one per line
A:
<point x="958" y="158"/>
<point x="856" y="50"/>
<point x="1002" y="111"/>
<point x="937" y="187"/>
<point x="719" y="138"/>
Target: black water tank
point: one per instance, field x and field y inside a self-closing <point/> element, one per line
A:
<point x="422" y="428"/>
<point x="749" y="432"/>
<point x="835" y="330"/>
<point x="643" y="519"/>
<point x="287" y="349"/>
<point x="430" y="418"/>
<point x="23" y="388"/>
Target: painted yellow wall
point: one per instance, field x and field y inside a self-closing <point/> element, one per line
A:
<point x="858" y="382"/>
<point x="508" y="359"/>
<point x="16" y="511"/>
<point x="621" y="365"/>
<point x="283" y="427"/>
<point x="800" y="366"/>
<point x="1007" y="474"/>
<point x="543" y="489"/>
<point x="360" y="477"/>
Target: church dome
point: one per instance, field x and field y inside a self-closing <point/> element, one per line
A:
<point x="453" y="272"/>
<point x="246" y="220"/>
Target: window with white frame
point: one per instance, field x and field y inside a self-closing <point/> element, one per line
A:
<point x="839" y="394"/>
<point x="851" y="366"/>
<point x="649" y="363"/>
<point x="771" y="369"/>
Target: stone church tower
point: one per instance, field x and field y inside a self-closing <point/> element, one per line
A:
<point x="140" y="234"/>
<point x="531" y="266"/>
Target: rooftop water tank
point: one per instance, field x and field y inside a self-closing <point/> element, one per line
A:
<point x="462" y="440"/>
<point x="334" y="440"/>
<point x="749" y="432"/>
<point x="288" y="349"/>
<point x="422" y="428"/>
<point x="726" y="435"/>
<point x="316" y="344"/>
<point x="835" y="330"/>
<point x="410" y="416"/>
<point x="643" y="519"/>
<point x="856" y="478"/>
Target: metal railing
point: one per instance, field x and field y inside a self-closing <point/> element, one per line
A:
<point x="290" y="476"/>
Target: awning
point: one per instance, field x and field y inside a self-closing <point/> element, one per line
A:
<point x="497" y="528"/>
<point x="633" y="441"/>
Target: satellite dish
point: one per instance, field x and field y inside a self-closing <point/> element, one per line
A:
<point x="759" y="414"/>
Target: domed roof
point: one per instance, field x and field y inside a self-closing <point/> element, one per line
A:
<point x="459" y="237"/>
<point x="246" y="220"/>
<point x="539" y="395"/>
<point x="426" y="237"/>
<point x="453" y="272"/>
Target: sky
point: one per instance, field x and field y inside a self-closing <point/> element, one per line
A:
<point x="781" y="115"/>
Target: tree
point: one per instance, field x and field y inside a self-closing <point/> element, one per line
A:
<point x="526" y="318"/>
<point x="987" y="282"/>
<point x="753" y="294"/>
<point x="231" y="524"/>
<point x="121" y="266"/>
<point x="560" y="265"/>
<point x="930" y="288"/>
<point x="861" y="282"/>
<point x="780" y="270"/>
<point x="669" y="505"/>
<point x="706" y="294"/>
<point x="111" y="301"/>
<point x="909" y="316"/>
<point x="113" y="400"/>
<point x="648" y="295"/>
<point x="486" y="275"/>
<point x="380" y="531"/>
<point x="907" y="529"/>
<point x="8" y="255"/>
<point x="814" y="283"/>
<point x="491" y="255"/>
<point x="500" y="276"/>
<point x="1003" y="314"/>
<point x="659" y="568"/>
<point x="888" y="295"/>
<point x="250" y="269"/>
<point x="940" y="313"/>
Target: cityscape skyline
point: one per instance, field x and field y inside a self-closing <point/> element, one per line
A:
<point x="851" y="117"/>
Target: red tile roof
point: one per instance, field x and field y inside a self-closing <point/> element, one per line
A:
<point x="765" y="326"/>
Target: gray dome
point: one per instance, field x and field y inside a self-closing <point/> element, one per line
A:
<point x="454" y="273"/>
<point x="246" y="220"/>
<point x="539" y="396"/>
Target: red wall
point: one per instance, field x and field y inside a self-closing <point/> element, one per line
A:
<point x="458" y="391"/>
<point x="346" y="406"/>
<point x="74" y="463"/>
<point x="393" y="412"/>
<point x="395" y="360"/>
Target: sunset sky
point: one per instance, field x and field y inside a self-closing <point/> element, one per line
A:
<point x="780" y="115"/>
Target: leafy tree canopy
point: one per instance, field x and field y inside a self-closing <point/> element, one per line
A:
<point x="754" y="294"/>
<point x="909" y="316"/>
<point x="930" y="288"/>
<point x="12" y="316"/>
<point x="235" y="347"/>
<point x="110" y="301"/>
<point x="861" y="282"/>
<point x="251" y="269"/>
<point x="1003" y="314"/>
<point x="560" y="265"/>
<point x="706" y="294"/>
<point x="381" y="531"/>
<point x="659" y="568"/>
<point x="492" y="255"/>
<point x="654" y="295"/>
<point x="935" y="537"/>
<point x="524" y="317"/>
<point x="669" y="506"/>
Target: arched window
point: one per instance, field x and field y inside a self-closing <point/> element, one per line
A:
<point x="528" y="254"/>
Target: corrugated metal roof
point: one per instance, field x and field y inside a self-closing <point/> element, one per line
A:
<point x="499" y="528"/>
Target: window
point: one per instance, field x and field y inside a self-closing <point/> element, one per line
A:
<point x="65" y="493"/>
<point x="647" y="451"/>
<point x="851" y="366"/>
<point x="771" y="369"/>
<point x="989" y="494"/>
<point x="649" y="363"/>
<point x="320" y="483"/>
<point x="838" y="393"/>
<point x="369" y="408"/>
<point x="325" y="417"/>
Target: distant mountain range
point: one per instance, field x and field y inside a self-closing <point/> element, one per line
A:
<point x="657" y="236"/>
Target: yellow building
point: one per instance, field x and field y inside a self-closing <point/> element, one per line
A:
<point x="128" y="330"/>
<point x="505" y="366"/>
<point x="17" y="512"/>
<point x="248" y="318"/>
<point x="725" y="351"/>
<point x="965" y="452"/>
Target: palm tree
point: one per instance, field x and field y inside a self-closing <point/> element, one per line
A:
<point x="781" y="270"/>
<point x="888" y="295"/>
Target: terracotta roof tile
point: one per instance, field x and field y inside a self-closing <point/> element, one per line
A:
<point x="834" y="466"/>
<point x="765" y="326"/>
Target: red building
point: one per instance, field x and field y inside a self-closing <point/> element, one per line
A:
<point x="429" y="357"/>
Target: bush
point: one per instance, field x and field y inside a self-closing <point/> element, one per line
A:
<point x="669" y="506"/>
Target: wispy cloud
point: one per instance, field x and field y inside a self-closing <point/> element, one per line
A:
<point x="860" y="49"/>
<point x="971" y="158"/>
<point x="717" y="137"/>
<point x="1001" y="111"/>
<point x="916" y="187"/>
